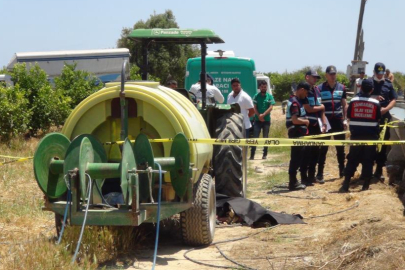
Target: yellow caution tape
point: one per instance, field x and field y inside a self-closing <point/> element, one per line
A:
<point x="382" y="134"/>
<point x="277" y="142"/>
<point x="2" y="156"/>
<point x="324" y="135"/>
<point x="16" y="160"/>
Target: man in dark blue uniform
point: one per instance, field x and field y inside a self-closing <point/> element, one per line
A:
<point x="297" y="124"/>
<point x="364" y="113"/>
<point x="316" y="116"/>
<point x="385" y="93"/>
<point x="333" y="96"/>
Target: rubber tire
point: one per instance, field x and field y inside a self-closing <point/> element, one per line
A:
<point x="198" y="222"/>
<point x="227" y="161"/>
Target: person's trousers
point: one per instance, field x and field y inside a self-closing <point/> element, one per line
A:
<point x="364" y="154"/>
<point x="336" y="126"/>
<point x="257" y="128"/>
<point x="381" y="157"/>
<point x="311" y="153"/>
<point x="297" y="154"/>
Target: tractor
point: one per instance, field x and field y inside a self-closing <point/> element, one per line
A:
<point x="124" y="156"/>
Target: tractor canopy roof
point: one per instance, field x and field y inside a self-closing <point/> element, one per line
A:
<point x="176" y="35"/>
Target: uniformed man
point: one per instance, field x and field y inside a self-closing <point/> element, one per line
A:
<point x="317" y="125"/>
<point x="333" y="96"/>
<point x="385" y="93"/>
<point x="297" y="124"/>
<point x="364" y="113"/>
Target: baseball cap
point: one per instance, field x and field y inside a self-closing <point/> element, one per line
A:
<point x="379" y="68"/>
<point x="331" y="70"/>
<point x="367" y="85"/>
<point x="304" y="85"/>
<point x="313" y="72"/>
<point x="210" y="77"/>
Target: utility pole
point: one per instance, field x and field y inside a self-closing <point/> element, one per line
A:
<point x="359" y="46"/>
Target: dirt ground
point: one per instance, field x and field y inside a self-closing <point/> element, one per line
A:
<point x="358" y="230"/>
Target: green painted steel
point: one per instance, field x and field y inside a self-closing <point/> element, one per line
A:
<point x="73" y="153"/>
<point x="80" y="157"/>
<point x="104" y="170"/>
<point x="167" y="163"/>
<point x="128" y="163"/>
<point x="223" y="70"/>
<point x="86" y="156"/>
<point x="56" y="166"/>
<point x="176" y="35"/>
<point x="181" y="174"/>
<point x="51" y="148"/>
<point x="144" y="158"/>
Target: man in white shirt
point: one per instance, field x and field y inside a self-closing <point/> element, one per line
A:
<point x="359" y="81"/>
<point x="213" y="94"/>
<point x="245" y="102"/>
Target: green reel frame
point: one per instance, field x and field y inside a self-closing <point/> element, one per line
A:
<point x="56" y="159"/>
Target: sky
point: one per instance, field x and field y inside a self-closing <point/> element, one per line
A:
<point x="280" y="35"/>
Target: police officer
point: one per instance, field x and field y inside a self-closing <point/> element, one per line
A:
<point x="317" y="125"/>
<point x="385" y="93"/>
<point x="297" y="124"/>
<point x="333" y="96"/>
<point x="364" y="113"/>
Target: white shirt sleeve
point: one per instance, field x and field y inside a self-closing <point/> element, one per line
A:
<point x="217" y="94"/>
<point x="247" y="102"/>
<point x="194" y="88"/>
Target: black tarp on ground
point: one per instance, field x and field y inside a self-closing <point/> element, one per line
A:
<point x="252" y="212"/>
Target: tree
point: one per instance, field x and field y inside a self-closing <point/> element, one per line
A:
<point x="399" y="81"/>
<point x="166" y="61"/>
<point x="15" y="113"/>
<point x="47" y="106"/>
<point x="284" y="82"/>
<point x="77" y="84"/>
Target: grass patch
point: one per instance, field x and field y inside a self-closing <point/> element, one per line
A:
<point x="276" y="179"/>
<point x="27" y="234"/>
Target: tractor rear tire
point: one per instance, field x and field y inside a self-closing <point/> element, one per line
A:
<point x="227" y="161"/>
<point x="198" y="222"/>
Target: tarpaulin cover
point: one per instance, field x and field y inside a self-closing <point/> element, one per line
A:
<point x="252" y="212"/>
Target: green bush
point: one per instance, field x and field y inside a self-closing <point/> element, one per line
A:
<point x="47" y="106"/>
<point x="30" y="80"/>
<point x="77" y="84"/>
<point x="15" y="114"/>
<point x="50" y="108"/>
<point x="284" y="81"/>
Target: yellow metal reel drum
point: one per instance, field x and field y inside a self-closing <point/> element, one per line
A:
<point x="153" y="110"/>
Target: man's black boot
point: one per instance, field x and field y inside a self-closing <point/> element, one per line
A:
<point x="311" y="176"/>
<point x="305" y="179"/>
<point x="378" y="172"/>
<point x="366" y="184"/>
<point x="252" y="155"/>
<point x="294" y="184"/>
<point x="341" y="170"/>
<point x="319" y="175"/>
<point x="345" y="186"/>
<point x="264" y="153"/>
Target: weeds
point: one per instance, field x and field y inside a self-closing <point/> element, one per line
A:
<point x="27" y="234"/>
